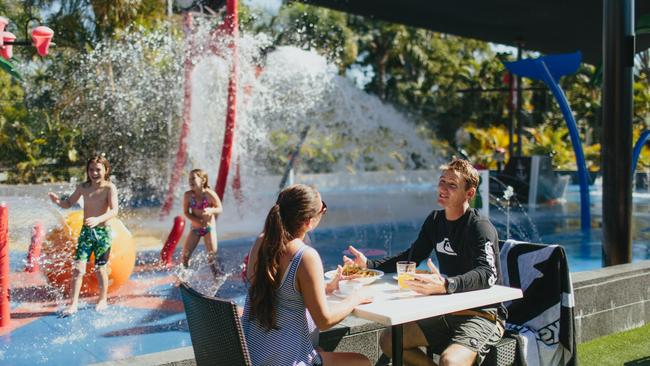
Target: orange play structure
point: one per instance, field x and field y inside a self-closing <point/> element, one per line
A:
<point x="58" y="256"/>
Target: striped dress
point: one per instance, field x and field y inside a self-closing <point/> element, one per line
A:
<point x="293" y="342"/>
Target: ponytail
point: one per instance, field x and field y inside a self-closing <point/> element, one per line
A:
<point x="295" y="205"/>
<point x="266" y="277"/>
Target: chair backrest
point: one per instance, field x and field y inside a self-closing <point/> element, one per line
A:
<point x="545" y="314"/>
<point x="215" y="329"/>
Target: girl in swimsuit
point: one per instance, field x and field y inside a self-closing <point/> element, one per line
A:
<point x="201" y="205"/>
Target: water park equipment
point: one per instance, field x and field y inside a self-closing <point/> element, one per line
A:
<point x="38" y="234"/>
<point x="58" y="255"/>
<point x="5" y="315"/>
<point x="550" y="69"/>
<point x="172" y="240"/>
<point x="533" y="179"/>
<point x="230" y="29"/>
<point x="181" y="154"/>
<point x="41" y="39"/>
<point x="6" y="51"/>
<point x="638" y="146"/>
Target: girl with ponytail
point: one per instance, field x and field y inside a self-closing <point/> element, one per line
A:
<point x="286" y="303"/>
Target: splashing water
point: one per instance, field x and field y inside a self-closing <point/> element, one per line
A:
<point x="132" y="92"/>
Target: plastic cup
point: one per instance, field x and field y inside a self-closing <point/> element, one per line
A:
<point x="405" y="270"/>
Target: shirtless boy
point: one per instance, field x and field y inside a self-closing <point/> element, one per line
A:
<point x="100" y="205"/>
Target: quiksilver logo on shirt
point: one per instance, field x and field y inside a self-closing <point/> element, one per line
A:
<point x="445" y="247"/>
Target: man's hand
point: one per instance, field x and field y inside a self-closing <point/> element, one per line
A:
<point x="432" y="284"/>
<point x="92" y="222"/>
<point x="360" y="259"/>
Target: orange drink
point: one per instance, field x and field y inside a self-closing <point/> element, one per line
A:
<point x="405" y="270"/>
<point x="401" y="280"/>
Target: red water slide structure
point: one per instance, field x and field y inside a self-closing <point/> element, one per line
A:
<point x="230" y="29"/>
<point x="4" y="267"/>
<point x="181" y="155"/>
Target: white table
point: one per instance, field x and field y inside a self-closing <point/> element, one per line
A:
<point x="392" y="307"/>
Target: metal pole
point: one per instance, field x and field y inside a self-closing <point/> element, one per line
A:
<point x="618" y="78"/>
<point x="511" y="116"/>
<point x="518" y="105"/>
<point x="397" y="342"/>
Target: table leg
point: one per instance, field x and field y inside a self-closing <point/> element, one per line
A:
<point x="398" y="350"/>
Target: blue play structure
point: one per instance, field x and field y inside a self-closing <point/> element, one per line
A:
<point x="550" y="69"/>
<point x="637" y="149"/>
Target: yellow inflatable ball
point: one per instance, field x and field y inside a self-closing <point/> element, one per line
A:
<point x="59" y="249"/>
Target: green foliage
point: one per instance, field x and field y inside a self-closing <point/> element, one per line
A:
<point x="546" y="139"/>
<point x="315" y="155"/>
<point x="307" y="27"/>
<point x="33" y="139"/>
<point x="42" y="122"/>
<point x="433" y="76"/>
<point x="436" y="79"/>
<point x="480" y="144"/>
<point x="324" y="152"/>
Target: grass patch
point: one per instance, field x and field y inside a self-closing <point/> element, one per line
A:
<point x="630" y="348"/>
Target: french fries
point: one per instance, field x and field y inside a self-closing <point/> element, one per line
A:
<point x="358" y="272"/>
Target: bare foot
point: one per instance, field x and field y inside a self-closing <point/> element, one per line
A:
<point x="69" y="311"/>
<point x="101" y="305"/>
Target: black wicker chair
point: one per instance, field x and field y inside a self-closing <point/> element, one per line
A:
<point x="215" y="330"/>
<point x="504" y="353"/>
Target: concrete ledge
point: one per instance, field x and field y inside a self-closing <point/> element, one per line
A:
<point x="608" y="300"/>
<point x="353" y="335"/>
<point x="173" y="357"/>
<point x="611" y="300"/>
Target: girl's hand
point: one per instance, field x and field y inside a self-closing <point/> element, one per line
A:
<point x="54" y="198"/>
<point x="363" y="296"/>
<point x="92" y="222"/>
<point x="333" y="285"/>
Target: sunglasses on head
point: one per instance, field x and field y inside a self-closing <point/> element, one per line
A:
<point x="323" y="209"/>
